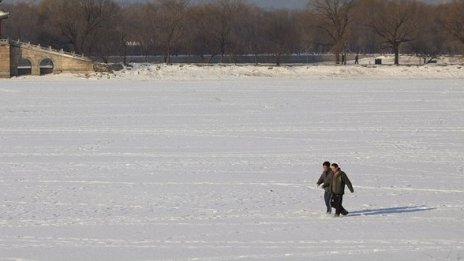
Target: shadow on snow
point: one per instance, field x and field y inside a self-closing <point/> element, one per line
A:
<point x="385" y="211"/>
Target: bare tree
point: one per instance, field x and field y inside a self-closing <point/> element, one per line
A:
<point x="334" y="18"/>
<point x="79" y="21"/>
<point x="223" y="19"/>
<point x="430" y="38"/>
<point x="23" y="21"/>
<point x="395" y="21"/>
<point x="140" y="31"/>
<point x="281" y="33"/>
<point x="198" y="39"/>
<point x="168" y="23"/>
<point x="453" y="19"/>
<point x="252" y="36"/>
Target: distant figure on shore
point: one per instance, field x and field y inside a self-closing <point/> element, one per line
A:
<point x="356" y="59"/>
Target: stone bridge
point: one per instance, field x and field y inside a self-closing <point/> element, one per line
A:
<point x="18" y="58"/>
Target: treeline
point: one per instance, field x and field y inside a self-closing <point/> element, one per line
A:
<point x="230" y="28"/>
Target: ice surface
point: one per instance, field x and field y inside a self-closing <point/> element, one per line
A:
<point x="224" y="169"/>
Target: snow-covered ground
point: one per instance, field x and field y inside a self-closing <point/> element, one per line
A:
<point x="187" y="72"/>
<point x="389" y="59"/>
<point x="224" y="169"/>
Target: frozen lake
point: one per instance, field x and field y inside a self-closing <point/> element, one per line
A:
<point x="226" y="169"/>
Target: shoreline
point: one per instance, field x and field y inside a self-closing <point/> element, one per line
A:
<point x="185" y="72"/>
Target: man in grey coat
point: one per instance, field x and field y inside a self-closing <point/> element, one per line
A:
<point x="339" y="180"/>
<point x="325" y="180"/>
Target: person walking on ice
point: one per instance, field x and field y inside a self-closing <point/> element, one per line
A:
<point x="325" y="181"/>
<point x="339" y="180"/>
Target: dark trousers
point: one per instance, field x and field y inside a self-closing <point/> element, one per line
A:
<point x="328" y="200"/>
<point x="337" y="201"/>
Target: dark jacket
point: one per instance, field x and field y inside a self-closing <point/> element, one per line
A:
<point x="326" y="179"/>
<point x="340" y="179"/>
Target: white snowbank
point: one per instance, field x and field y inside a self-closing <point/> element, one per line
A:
<point x="200" y="72"/>
<point x="447" y="67"/>
<point x="414" y="60"/>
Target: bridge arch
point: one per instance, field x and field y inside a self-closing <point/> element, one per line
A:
<point x="24" y="66"/>
<point x="46" y="66"/>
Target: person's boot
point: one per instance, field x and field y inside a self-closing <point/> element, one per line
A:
<point x="345" y="213"/>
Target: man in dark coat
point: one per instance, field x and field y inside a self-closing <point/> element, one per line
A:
<point x="325" y="180"/>
<point x="339" y="180"/>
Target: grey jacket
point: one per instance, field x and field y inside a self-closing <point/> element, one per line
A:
<point x="340" y="179"/>
<point x="326" y="179"/>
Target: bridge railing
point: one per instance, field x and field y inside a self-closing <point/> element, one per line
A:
<point x="42" y="48"/>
